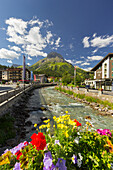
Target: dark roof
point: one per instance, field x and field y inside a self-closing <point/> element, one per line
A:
<point x="100" y="63"/>
<point x="13" y="69"/>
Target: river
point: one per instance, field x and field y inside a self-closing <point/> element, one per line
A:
<point x="57" y="103"/>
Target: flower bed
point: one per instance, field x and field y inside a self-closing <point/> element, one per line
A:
<point x="64" y="145"/>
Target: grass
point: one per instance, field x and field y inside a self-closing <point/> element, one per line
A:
<point x="87" y="98"/>
<point x="7" y="130"/>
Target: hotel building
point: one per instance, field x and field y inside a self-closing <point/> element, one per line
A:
<point x="103" y="73"/>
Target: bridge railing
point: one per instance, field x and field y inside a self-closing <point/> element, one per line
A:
<point x="6" y="95"/>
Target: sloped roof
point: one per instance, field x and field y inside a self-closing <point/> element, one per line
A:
<point x="100" y="63"/>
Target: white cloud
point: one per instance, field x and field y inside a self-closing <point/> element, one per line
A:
<point x="93" y="52"/>
<point x="85" y="64"/>
<point x="34" y="52"/>
<point x="35" y="37"/>
<point x="86" y="42"/>
<point x="69" y="61"/>
<point x="101" y="41"/>
<point x="88" y="69"/>
<point x="17" y="25"/>
<point x="15" y="48"/>
<point x="29" y="58"/>
<point x="31" y="37"/>
<point x="71" y="46"/>
<point x="8" y="54"/>
<point x="94" y="35"/>
<point x="78" y="62"/>
<point x="82" y="57"/>
<point x="28" y="64"/>
<point x="9" y="61"/>
<point x="36" y="21"/>
<point x="57" y="42"/>
<point x="49" y="36"/>
<point x="95" y="58"/>
<point x="97" y="41"/>
<point x="48" y="23"/>
<point x="2" y="29"/>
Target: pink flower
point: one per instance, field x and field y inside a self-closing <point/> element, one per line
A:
<point x="104" y="132"/>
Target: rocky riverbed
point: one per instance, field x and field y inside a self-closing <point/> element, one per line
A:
<point x="104" y="111"/>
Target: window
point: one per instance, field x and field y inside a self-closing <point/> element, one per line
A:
<point x="112" y="74"/>
<point x="112" y="69"/>
<point x="100" y="67"/>
<point x="112" y="63"/>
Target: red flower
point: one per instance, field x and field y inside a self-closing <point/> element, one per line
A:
<point x="38" y="140"/>
<point x="18" y="153"/>
<point x="77" y="123"/>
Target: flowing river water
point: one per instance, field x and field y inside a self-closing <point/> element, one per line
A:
<point x="57" y="103"/>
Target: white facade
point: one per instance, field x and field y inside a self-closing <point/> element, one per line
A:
<point x="4" y="75"/>
<point x="105" y="68"/>
<point x="92" y="83"/>
<point x="95" y="75"/>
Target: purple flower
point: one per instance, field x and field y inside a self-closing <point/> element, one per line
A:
<point x="61" y="164"/>
<point x="6" y="151"/>
<point x="48" y="165"/>
<point x="17" y="148"/>
<point x="17" y="166"/>
<point x="57" y="142"/>
<point x="74" y="159"/>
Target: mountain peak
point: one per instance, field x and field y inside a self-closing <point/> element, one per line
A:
<point x="54" y="55"/>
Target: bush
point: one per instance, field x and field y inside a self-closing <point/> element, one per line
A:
<point x="7" y="130"/>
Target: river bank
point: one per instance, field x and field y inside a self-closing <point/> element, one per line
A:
<point x="103" y="108"/>
<point x="21" y="124"/>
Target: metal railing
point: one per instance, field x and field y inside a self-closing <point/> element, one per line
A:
<point x="6" y="95"/>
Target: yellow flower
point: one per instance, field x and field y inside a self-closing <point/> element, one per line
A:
<point x="64" y="122"/>
<point x="66" y="134"/>
<point x="60" y="126"/>
<point x="54" y="117"/>
<point x="42" y="126"/>
<point x="5" y="161"/>
<point x="54" y="126"/>
<point x="48" y="125"/>
<point x="46" y="121"/>
<point x="35" y="125"/>
<point x="66" y="112"/>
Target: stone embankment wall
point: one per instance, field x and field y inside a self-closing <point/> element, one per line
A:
<point x="102" y="110"/>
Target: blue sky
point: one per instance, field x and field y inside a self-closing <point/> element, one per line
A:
<point x="81" y="31"/>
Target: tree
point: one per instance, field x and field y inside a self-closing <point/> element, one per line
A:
<point x="66" y="79"/>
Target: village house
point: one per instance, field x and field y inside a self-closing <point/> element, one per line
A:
<point x="103" y="73"/>
<point x="15" y="74"/>
<point x="40" y="78"/>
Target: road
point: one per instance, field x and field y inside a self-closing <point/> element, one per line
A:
<point x="4" y="87"/>
<point x="96" y="91"/>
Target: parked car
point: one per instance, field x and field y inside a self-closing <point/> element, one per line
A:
<point x="87" y="87"/>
